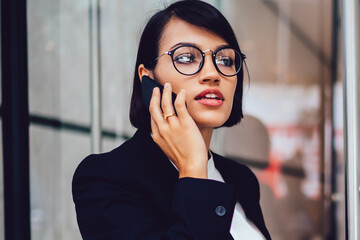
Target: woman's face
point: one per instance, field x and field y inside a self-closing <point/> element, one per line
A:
<point x="205" y="110"/>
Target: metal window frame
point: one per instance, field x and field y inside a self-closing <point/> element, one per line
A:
<point x="95" y="75"/>
<point x="15" y="120"/>
<point x="351" y="46"/>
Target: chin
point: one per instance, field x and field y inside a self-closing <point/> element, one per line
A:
<point x="210" y="123"/>
<point x="209" y="119"/>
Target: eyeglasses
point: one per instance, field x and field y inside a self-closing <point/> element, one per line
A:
<point x="188" y="60"/>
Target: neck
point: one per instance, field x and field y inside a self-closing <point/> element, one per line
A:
<point x="206" y="134"/>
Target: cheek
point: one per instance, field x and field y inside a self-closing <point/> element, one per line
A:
<point x="231" y="93"/>
<point x="168" y="74"/>
<point x="230" y="100"/>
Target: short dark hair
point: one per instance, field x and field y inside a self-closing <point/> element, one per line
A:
<point x="195" y="12"/>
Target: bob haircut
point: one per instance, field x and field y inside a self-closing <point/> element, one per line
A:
<point x="197" y="13"/>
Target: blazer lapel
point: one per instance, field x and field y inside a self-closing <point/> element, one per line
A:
<point x="159" y="173"/>
<point x="235" y="174"/>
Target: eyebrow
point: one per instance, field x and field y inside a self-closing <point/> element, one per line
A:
<point x="196" y="45"/>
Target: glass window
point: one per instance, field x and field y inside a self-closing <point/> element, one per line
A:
<point x="59" y="96"/>
<point x="282" y="137"/>
<point x="285" y="134"/>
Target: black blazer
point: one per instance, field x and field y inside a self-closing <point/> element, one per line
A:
<point x="133" y="192"/>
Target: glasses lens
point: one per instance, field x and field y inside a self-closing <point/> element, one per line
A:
<point x="187" y="60"/>
<point x="228" y="61"/>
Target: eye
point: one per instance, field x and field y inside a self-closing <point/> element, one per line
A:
<point x="225" y="61"/>
<point x="184" y="58"/>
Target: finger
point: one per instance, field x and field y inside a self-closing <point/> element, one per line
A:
<point x="154" y="129"/>
<point x="154" y="107"/>
<point x="180" y="105"/>
<point x="156" y="135"/>
<point x="166" y="102"/>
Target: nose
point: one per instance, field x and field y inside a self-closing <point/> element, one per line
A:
<point x="209" y="73"/>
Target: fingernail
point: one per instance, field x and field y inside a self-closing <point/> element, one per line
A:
<point x="182" y="90"/>
<point x="154" y="89"/>
<point x="167" y="85"/>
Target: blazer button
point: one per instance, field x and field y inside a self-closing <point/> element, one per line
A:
<point x="220" y="211"/>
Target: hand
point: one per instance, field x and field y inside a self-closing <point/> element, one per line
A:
<point x="178" y="136"/>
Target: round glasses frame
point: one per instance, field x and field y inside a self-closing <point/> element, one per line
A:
<point x="171" y="54"/>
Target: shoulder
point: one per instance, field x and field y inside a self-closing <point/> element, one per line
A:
<point x="119" y="162"/>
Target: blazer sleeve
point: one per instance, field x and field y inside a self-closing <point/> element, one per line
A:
<point x="108" y="208"/>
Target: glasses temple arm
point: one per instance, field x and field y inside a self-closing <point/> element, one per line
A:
<point x="165" y="53"/>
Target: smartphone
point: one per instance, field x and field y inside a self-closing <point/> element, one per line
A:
<point x="147" y="87"/>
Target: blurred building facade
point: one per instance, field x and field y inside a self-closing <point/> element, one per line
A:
<point x="292" y="103"/>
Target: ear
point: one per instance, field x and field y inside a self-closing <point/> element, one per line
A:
<point x="144" y="71"/>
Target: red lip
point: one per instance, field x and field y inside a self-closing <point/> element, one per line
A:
<point x="210" y="91"/>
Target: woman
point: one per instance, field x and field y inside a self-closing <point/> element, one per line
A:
<point x="164" y="183"/>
